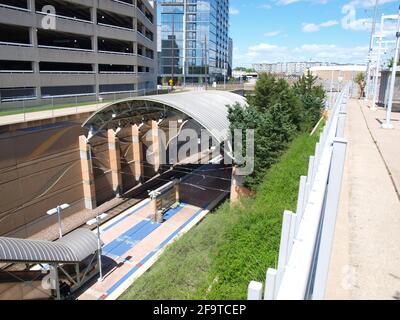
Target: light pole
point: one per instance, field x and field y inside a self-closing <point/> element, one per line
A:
<point x="388" y="124"/>
<point x="96" y="221"/>
<point x="57" y="211"/>
<point x="370" y="49"/>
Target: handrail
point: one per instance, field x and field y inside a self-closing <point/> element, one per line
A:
<point x="16" y="71"/>
<point x="115" y="27"/>
<point x="64" y="17"/>
<point x="66" y="72"/>
<point x="14" y="8"/>
<point x="116" y="52"/>
<point x="65" y="48"/>
<point x="15" y="44"/>
<point x="307" y="234"/>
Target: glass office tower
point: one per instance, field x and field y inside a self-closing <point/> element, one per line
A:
<point x="194" y="40"/>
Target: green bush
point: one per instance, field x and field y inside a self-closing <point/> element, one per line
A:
<point x="234" y="245"/>
<point x="277" y="112"/>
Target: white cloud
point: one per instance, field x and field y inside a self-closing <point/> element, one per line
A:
<point x="272" y="33"/>
<point x="233" y="11"/>
<point x="329" y="23"/>
<point x="312" y="27"/>
<point x="288" y="2"/>
<point x="266" y="52"/>
<point x="351" y="22"/>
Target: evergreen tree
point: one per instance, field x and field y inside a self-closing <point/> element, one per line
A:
<point x="270" y="90"/>
<point x="276" y="112"/>
<point x="312" y="97"/>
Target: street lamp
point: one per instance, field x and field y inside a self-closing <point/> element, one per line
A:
<point x="388" y="124"/>
<point x="57" y="211"/>
<point x="96" y="221"/>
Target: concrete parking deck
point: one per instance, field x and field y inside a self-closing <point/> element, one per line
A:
<point x="365" y="261"/>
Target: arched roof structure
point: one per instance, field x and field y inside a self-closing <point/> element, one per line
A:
<point x="72" y="248"/>
<point x="208" y="108"/>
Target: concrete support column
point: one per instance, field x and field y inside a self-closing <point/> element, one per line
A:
<point x="177" y="187"/>
<point x="89" y="190"/>
<point x="155" y="145"/>
<point x="137" y="153"/>
<point x="237" y="184"/>
<point x="31" y="5"/>
<point x="115" y="162"/>
<point x="93" y="13"/>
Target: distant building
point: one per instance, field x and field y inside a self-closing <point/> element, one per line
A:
<point x="337" y="72"/>
<point x="194" y="39"/>
<point x="286" y="68"/>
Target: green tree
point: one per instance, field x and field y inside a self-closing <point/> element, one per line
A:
<point x="312" y="96"/>
<point x="390" y="63"/>
<point x="272" y="132"/>
<point x="270" y="90"/>
<point x="359" y="77"/>
<point x="276" y="112"/>
<point x="307" y="84"/>
<point x="249" y="70"/>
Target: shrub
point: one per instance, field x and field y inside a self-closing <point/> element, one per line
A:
<point x="277" y="112"/>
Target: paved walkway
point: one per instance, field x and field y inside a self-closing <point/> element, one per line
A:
<point x="365" y="261"/>
<point x="132" y="242"/>
<point x="46" y="114"/>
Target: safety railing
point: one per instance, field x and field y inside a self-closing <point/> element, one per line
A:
<point x="307" y="235"/>
<point x="22" y="105"/>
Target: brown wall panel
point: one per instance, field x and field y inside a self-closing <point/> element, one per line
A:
<point x="40" y="169"/>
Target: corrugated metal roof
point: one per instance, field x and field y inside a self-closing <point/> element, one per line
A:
<point x="208" y="108"/>
<point x="72" y="248"/>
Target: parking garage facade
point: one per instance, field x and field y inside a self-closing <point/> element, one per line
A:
<point x="95" y="49"/>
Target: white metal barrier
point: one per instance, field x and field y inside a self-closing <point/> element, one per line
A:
<point x="307" y="234"/>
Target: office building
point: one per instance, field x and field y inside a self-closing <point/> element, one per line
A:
<point x="230" y="57"/>
<point x="194" y="40"/>
<point x="75" y="48"/>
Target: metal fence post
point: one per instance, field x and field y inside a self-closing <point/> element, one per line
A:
<point x="329" y="217"/>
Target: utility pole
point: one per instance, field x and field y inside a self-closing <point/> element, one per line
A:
<point x="388" y="124"/>
<point x="378" y="66"/>
<point x="370" y="49"/>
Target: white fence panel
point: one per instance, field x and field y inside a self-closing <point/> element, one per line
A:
<point x="307" y="235"/>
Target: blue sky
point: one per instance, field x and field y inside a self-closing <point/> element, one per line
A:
<point x="294" y="30"/>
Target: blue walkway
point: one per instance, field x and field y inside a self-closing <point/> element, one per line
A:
<point x="126" y="241"/>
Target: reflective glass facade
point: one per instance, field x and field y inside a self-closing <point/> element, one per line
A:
<point x="194" y="39"/>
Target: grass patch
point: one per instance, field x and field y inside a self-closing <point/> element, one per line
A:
<point x="232" y="246"/>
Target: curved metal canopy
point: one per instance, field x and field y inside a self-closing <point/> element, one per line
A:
<point x="72" y="248"/>
<point x="208" y="108"/>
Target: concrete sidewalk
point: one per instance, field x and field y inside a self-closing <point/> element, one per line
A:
<point x="48" y="114"/>
<point x="365" y="262"/>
